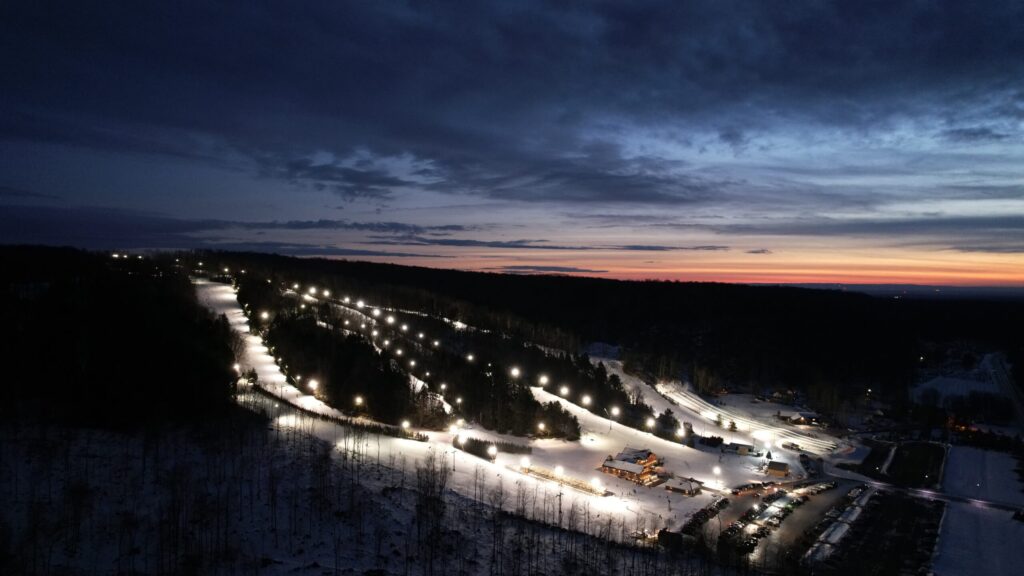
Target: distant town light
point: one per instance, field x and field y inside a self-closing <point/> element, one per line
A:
<point x="398" y="351"/>
<point x="412" y="362"/>
<point x="374" y="333"/>
<point x="295" y="286"/>
<point x="346" y="300"/>
<point x="458" y="400"/>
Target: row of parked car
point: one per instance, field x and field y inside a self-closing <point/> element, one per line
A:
<point x="752" y="487"/>
<point x="700" y="517"/>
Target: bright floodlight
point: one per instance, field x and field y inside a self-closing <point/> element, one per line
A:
<point x="387" y="342"/>
<point x="295" y="286"/>
<point x="443" y="386"/>
<point x="360" y="303"/>
<point x="405" y="424"/>
<point x="376" y="312"/>
<point x="650" y="422"/>
<point x="524" y="462"/>
<point x="615" y="411"/>
<point x="586" y="400"/>
<point x="559" y="470"/>
<point x="462" y="439"/>
<point x="420" y="335"/>
<point x="540" y="426"/>
<point x="681" y="432"/>
<point x="412" y="362"/>
<point x="458" y="400"/>
<point x="237" y="367"/>
<point x="265" y="315"/>
<point x="717" y="470"/>
<point x="347" y="300"/>
<point x="359" y="400"/>
<point x="596" y="483"/>
<point x="312" y="290"/>
<point x="515" y="372"/>
<point x="405" y="327"/>
<point x="461" y="422"/>
<point x="453" y="429"/>
<point x="437" y="343"/>
<point x="399" y="351"/>
<point x="543" y="380"/>
<point x="326" y="292"/>
<point x="469" y="357"/>
<point x="390" y="319"/>
<point x="225" y="270"/>
<point x="374" y="333"/>
<point x="313" y="384"/>
<point x="564" y="390"/>
<point x="362" y="326"/>
<point x="492" y="450"/>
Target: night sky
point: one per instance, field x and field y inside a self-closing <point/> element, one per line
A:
<point x="858" y="142"/>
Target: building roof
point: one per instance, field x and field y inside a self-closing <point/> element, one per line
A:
<point x="776" y="465"/>
<point x="738" y="445"/>
<point x="686" y="484"/>
<point x="629" y="454"/>
<point x="624" y="466"/>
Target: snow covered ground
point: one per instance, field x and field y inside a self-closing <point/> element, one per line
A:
<point x="983" y="474"/>
<point x="580" y="460"/>
<point x="977" y="540"/>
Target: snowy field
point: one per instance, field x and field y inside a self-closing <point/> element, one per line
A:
<point x="976" y="540"/>
<point x="984" y="474"/>
<point x="628" y="503"/>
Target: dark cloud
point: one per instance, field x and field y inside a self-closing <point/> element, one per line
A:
<point x="11" y="192"/>
<point x="974" y="134"/>
<point x="759" y="251"/>
<point x="532" y="269"/>
<point x="500" y="100"/>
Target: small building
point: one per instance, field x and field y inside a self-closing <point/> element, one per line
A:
<point x="737" y="448"/>
<point x="777" y="469"/>
<point x="804" y="418"/>
<point x="628" y="470"/>
<point x="686" y="486"/>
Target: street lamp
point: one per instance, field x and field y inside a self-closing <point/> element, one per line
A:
<point x="540" y="426"/>
<point x="524" y="462"/>
<point x="543" y="380"/>
<point x="405" y="424"/>
<point x="650" y="423"/>
<point x="237" y="367"/>
<point x="313" y="384"/>
<point x="469" y="357"/>
<point x="359" y="400"/>
<point x="515" y="372"/>
<point x="264" y="315"/>
<point x="559" y="470"/>
<point x="586" y="400"/>
<point x="376" y="312"/>
<point x="327" y="293"/>
<point x="492" y="451"/>
<point x="564" y="390"/>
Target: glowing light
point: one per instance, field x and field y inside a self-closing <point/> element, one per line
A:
<point x="462" y="439"/>
<point x="362" y="326"/>
<point x="313" y="384"/>
<point x="420" y="335"/>
<point x="458" y="400"/>
<point x="374" y="333"/>
<point x="515" y="372"/>
<point x="681" y="432"/>
<point x="398" y="351"/>
<point x="326" y="292"/>
<point x="225" y="270"/>
<point x="492" y="450"/>
<point x="303" y="306"/>
<point x="469" y="357"/>
<point x="461" y="422"/>
<point x="717" y="471"/>
<point x="346" y="300"/>
<point x="312" y="290"/>
<point x="586" y="400"/>
<point x="200" y="264"/>
<point x="360" y="303"/>
<point x="453" y="429"/>
<point x="443" y="386"/>
<point x="559" y="470"/>
<point x="264" y="315"/>
<point x="540" y="426"/>
<point x="437" y="343"/>
<point x="346" y="322"/>
<point x="596" y="483"/>
<point x="376" y="312"/>
<point x="237" y="367"/>
<point x="524" y="462"/>
<point x="412" y="362"/>
<point x="564" y="390"/>
<point x="405" y="424"/>
<point x="650" y="422"/>
<point x="295" y="286"/>
<point x="543" y="380"/>
<point x="405" y="327"/>
<point x="390" y="319"/>
<point x="359" y="400"/>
